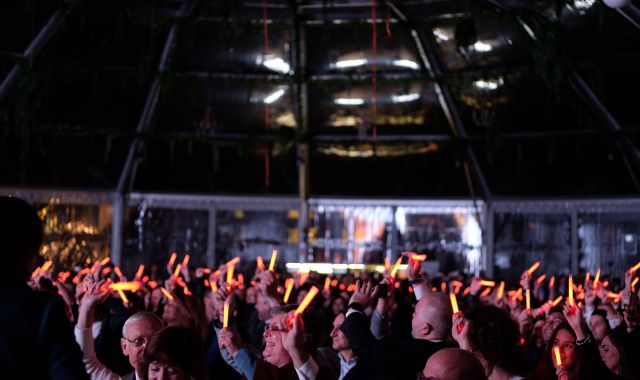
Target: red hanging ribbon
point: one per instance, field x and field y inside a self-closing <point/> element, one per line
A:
<point x="265" y="24"/>
<point x="374" y="53"/>
<point x="388" y="22"/>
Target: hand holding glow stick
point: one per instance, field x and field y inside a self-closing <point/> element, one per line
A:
<point x="533" y="268"/>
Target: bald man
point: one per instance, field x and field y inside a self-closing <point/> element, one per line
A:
<point x="453" y="364"/>
<point x="432" y="318"/>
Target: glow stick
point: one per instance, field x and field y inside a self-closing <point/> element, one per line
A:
<point x="259" y="263"/>
<point x="595" y="281"/>
<point x="289" y="287"/>
<point x="118" y="272"/>
<point x="241" y="279"/>
<point x="613" y="295"/>
<point x="485" y="292"/>
<point x="552" y="281"/>
<point x="214" y="286"/>
<point x="395" y="267"/>
<point x="456" y="284"/>
<point x="556" y="351"/>
<point x="415" y="256"/>
<point x="230" y="270"/>
<point x="443" y="286"/>
<point x="487" y="283"/>
<point x="152" y="284"/>
<point x="172" y="259"/>
<point x="272" y="263"/>
<point x="466" y="291"/>
<point x="327" y="283"/>
<point x="132" y="286"/>
<point x="303" y="277"/>
<point x="185" y="261"/>
<point x="454" y="303"/>
<point x="206" y="270"/>
<point x="46" y="265"/>
<point x="166" y="294"/>
<point x="140" y="271"/>
<point x="106" y="270"/>
<point x="541" y="278"/>
<point x="334" y="283"/>
<point x="587" y="277"/>
<point x="145" y="278"/>
<point x="500" y="290"/>
<point x="387" y="264"/>
<point x="635" y="268"/>
<point x="124" y="298"/>
<point x="533" y="267"/>
<point x="233" y="261"/>
<point x="351" y="288"/>
<point x="557" y="301"/>
<point x="307" y="300"/>
<point x="570" y="290"/>
<point x="225" y="321"/>
<point x="105" y="261"/>
<point x="177" y="271"/>
<point x="634" y="282"/>
<point x="528" y="295"/>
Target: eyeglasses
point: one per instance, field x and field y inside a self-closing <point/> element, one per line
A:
<point x="423" y="377"/>
<point x="138" y="342"/>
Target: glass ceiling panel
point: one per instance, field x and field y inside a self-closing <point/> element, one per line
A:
<point x="73" y="96"/>
<point x="480" y="42"/>
<point x="340" y="49"/>
<point x="519" y="103"/>
<point x="62" y="160"/>
<point x="111" y="37"/>
<point x="417" y="169"/>
<point x="207" y="107"/>
<point x="233" y="47"/>
<point x="193" y="166"/>
<point x="587" y="165"/>
<point x="408" y="106"/>
<point x="21" y="21"/>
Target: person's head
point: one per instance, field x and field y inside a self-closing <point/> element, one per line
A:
<point x="493" y="337"/>
<point x="339" y="340"/>
<point x="21" y="236"/>
<point x="554" y="319"/>
<point x="136" y="332"/>
<point x="251" y="295"/>
<point x="564" y="338"/>
<point x="339" y="305"/>
<point x="175" y="313"/>
<point x="262" y="307"/>
<point x="210" y="305"/>
<point x="613" y="354"/>
<point x="173" y="353"/>
<point x="453" y="364"/>
<point x="598" y="324"/>
<point x="432" y="317"/>
<point x="275" y="333"/>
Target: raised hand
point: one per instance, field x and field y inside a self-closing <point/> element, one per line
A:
<point x="460" y="331"/>
<point x="364" y="294"/>
<point x="574" y="317"/>
<point x="294" y="342"/>
<point x="229" y="340"/>
<point x="384" y="302"/>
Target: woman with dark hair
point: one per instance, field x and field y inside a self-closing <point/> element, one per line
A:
<point x="492" y="336"/>
<point x="174" y="353"/>
<point x="614" y="356"/>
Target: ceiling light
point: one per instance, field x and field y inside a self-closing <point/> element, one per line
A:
<point x="406" y="63"/>
<point x="273" y="96"/>
<point x="440" y="35"/>
<point x="273" y="63"/>
<point x="349" y="101"/>
<point x="350" y="63"/>
<point x="405" y="98"/>
<point x="487" y="84"/>
<point x="482" y="46"/>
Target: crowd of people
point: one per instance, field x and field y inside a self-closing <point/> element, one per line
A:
<point x="248" y="320"/>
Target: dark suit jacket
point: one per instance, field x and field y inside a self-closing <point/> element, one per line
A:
<point x="36" y="338"/>
<point x="385" y="359"/>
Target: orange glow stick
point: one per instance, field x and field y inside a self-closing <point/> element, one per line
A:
<point x="327" y="283"/>
<point x="487" y="283"/>
<point x="152" y="284"/>
<point x="140" y="271"/>
<point x="118" y="272"/>
<point x="259" y="263"/>
<point x="106" y="270"/>
<point x="570" y="290"/>
<point x="613" y="295"/>
<point x="556" y="351"/>
<point x="225" y="321"/>
<point x="485" y="292"/>
<point x="123" y="296"/>
<point x="557" y="301"/>
<point x="466" y="291"/>
<point x="334" y="283"/>
<point x="289" y="287"/>
<point x="185" y="261"/>
<point x="272" y="263"/>
<point x="351" y="288"/>
<point x="552" y="281"/>
<point x="395" y="267"/>
<point x="145" y="278"/>
<point x="443" y="286"/>
<point x="541" y="278"/>
<point x="595" y="281"/>
<point x="303" y="277"/>
<point x="533" y="267"/>
<point x="307" y="300"/>
<point x="634" y="282"/>
<point x="528" y="295"/>
<point x="132" y="286"/>
<point x="177" y="271"/>
<point x="167" y="294"/>
<point x="500" y="290"/>
<point x="230" y="270"/>
<point x="233" y="261"/>
<point x="454" y="303"/>
<point x="214" y="286"/>
<point x="587" y="277"/>
<point x="635" y="268"/>
<point x="415" y="256"/>
<point x="456" y="284"/>
<point x="387" y="264"/>
<point x="46" y="265"/>
<point x="206" y="270"/>
<point x="240" y="279"/>
<point x="172" y="259"/>
<point x="105" y="261"/>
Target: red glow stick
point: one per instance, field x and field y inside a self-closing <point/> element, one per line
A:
<point x="443" y="286"/>
<point x="454" y="303"/>
<point x="387" y="264"/>
<point x="289" y="287"/>
<point x="307" y="300"/>
<point x="552" y="281"/>
<point x="118" y="272"/>
<point x="272" y="263"/>
<point x="533" y="267"/>
<point x="485" y="292"/>
<point x="466" y="291"/>
<point x="152" y="284"/>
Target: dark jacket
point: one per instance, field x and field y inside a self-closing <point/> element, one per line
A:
<point x="385" y="359"/>
<point x="36" y="338"/>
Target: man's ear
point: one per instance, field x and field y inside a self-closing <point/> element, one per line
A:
<point x="123" y="346"/>
<point x="426" y="329"/>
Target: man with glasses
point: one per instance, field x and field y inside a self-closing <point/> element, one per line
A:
<point x="135" y="334"/>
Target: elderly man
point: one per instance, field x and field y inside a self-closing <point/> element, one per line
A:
<point x="36" y="341"/>
<point x="135" y="333"/>
<point x="399" y="359"/>
<point x="453" y="364"/>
